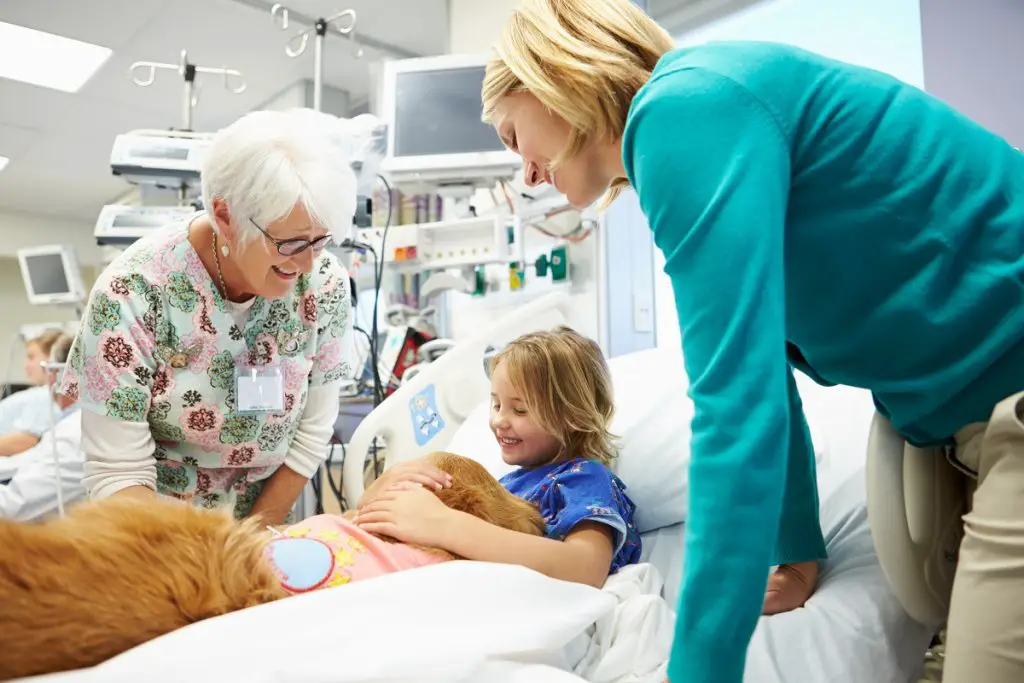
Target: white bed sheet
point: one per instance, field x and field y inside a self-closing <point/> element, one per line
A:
<point x="453" y="622"/>
<point x="851" y="631"/>
<point x="474" y="621"/>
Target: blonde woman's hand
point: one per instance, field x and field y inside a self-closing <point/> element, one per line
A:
<point x="413" y="472"/>
<point x="789" y="587"/>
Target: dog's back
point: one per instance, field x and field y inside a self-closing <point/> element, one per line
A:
<point x="77" y="591"/>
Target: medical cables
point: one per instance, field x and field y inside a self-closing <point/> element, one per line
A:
<point x="373" y="337"/>
<point x="378" y="276"/>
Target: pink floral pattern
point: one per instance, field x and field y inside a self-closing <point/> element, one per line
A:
<point x="241" y="455"/>
<point x="308" y="308"/>
<point x="163" y="382"/>
<point x="100" y="379"/>
<point x="116" y="351"/>
<point x="328" y="356"/>
<point x="141" y="339"/>
<point x="202" y="424"/>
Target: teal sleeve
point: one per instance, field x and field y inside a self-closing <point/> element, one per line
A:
<point x="800" y="538"/>
<point x="711" y="169"/>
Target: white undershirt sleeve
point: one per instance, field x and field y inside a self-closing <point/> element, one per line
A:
<point x="308" y="449"/>
<point x="118" y="454"/>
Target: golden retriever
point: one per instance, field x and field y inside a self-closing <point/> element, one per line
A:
<point x="114" y="574"/>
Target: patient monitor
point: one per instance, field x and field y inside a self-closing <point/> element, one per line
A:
<point x="435" y="133"/>
<point x="51" y="275"/>
<point x="443" y="394"/>
<point x="916" y="500"/>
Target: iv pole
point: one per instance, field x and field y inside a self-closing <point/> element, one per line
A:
<point x="188" y="71"/>
<point x="293" y="48"/>
<point x="319" y="29"/>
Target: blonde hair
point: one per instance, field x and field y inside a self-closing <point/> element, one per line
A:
<point x="45" y="341"/>
<point x="566" y="386"/>
<point x="584" y="60"/>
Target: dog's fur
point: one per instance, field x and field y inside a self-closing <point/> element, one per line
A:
<point x="116" y="573"/>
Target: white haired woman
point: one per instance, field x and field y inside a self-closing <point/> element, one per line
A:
<point x="208" y="362"/>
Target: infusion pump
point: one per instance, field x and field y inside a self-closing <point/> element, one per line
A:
<point x="157" y="157"/>
<point x="120" y="225"/>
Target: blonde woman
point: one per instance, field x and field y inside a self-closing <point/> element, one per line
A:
<point x="551" y="398"/>
<point x="42" y="485"/>
<point x="813" y="215"/>
<point x="25" y="416"/>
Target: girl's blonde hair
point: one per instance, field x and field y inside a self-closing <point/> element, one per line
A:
<point x="584" y="60"/>
<point x="565" y="384"/>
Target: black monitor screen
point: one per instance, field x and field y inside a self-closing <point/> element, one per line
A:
<point x="438" y="112"/>
<point x="46" y="273"/>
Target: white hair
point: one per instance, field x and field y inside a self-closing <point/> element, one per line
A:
<point x="266" y="162"/>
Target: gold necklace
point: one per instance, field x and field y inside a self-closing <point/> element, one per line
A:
<point x="220" y="275"/>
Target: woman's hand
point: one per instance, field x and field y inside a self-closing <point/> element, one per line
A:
<point x="414" y="472"/>
<point x="409" y="513"/>
<point x="789" y="587"/>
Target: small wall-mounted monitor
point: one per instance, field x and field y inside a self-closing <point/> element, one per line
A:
<point x="435" y="133"/>
<point x="51" y="275"/>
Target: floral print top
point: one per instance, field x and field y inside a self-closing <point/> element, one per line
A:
<point x="159" y="344"/>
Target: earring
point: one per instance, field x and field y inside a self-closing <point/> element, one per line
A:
<point x="224" y="250"/>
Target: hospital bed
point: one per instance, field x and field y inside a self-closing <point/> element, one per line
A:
<point x="473" y="621"/>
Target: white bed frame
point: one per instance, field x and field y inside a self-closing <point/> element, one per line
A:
<point x="423" y="415"/>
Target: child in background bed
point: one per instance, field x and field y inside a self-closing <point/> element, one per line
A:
<point x="551" y="409"/>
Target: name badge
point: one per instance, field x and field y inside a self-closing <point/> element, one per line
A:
<point x="259" y="390"/>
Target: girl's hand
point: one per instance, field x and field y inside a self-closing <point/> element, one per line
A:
<point x="413" y="472"/>
<point x="409" y="513"/>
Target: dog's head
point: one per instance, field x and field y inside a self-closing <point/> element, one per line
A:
<point x="476" y="492"/>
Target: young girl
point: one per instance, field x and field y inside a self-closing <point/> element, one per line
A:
<point x="551" y="408"/>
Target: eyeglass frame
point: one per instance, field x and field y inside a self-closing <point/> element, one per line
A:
<point x="322" y="241"/>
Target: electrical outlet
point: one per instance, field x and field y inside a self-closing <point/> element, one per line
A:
<point x="643" y="316"/>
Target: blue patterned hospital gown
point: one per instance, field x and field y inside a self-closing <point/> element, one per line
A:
<point x="579" y="490"/>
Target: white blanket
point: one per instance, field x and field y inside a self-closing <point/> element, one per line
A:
<point x="457" y="621"/>
<point x="631" y="642"/>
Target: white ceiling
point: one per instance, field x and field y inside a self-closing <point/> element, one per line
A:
<point x="59" y="143"/>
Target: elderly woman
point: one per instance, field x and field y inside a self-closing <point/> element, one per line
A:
<point x="208" y="362"/>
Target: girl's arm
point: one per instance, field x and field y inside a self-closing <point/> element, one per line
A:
<point x="585" y="556"/>
<point x="412" y="514"/>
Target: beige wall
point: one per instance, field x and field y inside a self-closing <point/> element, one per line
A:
<point x="473" y="25"/>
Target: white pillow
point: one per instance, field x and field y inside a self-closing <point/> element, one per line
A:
<point x="475" y="440"/>
<point x="652" y="420"/>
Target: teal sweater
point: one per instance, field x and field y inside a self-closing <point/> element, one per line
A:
<point x="830" y="218"/>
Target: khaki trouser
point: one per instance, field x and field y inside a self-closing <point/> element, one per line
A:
<point x="985" y="630"/>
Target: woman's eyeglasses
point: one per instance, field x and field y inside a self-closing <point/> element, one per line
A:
<point x="296" y="246"/>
